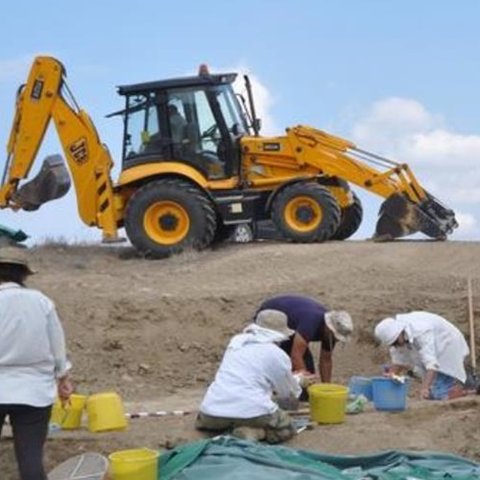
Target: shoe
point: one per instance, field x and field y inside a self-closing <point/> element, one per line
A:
<point x="249" y="433"/>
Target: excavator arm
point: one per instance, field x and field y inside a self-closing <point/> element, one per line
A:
<point x="408" y="207"/>
<point x="42" y="99"/>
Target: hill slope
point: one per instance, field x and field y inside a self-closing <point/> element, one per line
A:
<point x="155" y="331"/>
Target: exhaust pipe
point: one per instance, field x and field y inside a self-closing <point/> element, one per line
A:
<point x="399" y="217"/>
<point x="52" y="182"/>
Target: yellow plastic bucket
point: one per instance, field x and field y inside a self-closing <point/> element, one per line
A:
<point x="68" y="417"/>
<point x="105" y="412"/>
<point x="327" y="402"/>
<point x="138" y="464"/>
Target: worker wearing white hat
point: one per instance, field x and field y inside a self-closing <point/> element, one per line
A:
<point x="432" y="346"/>
<point x="252" y="369"/>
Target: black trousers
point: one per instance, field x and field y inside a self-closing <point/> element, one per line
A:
<point x="30" y="429"/>
<point x="286" y="346"/>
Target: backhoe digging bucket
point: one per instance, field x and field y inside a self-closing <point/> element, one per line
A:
<point x="53" y="181"/>
<point x="399" y="216"/>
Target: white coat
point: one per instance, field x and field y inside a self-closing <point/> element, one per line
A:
<point x="433" y="344"/>
<point x="252" y="368"/>
<point x="32" y="347"/>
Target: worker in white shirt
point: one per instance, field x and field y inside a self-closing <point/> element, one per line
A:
<point x="430" y="345"/>
<point x="253" y="369"/>
<point x="33" y="363"/>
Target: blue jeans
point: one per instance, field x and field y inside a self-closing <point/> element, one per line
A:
<point x="441" y="386"/>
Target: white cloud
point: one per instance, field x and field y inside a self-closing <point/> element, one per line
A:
<point x="449" y="148"/>
<point x="395" y="115"/>
<point x="468" y="226"/>
<point x="446" y="162"/>
<point x="466" y="221"/>
<point x="263" y="98"/>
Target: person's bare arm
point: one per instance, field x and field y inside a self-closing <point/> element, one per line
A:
<point x="325" y="366"/>
<point x="427" y="383"/>
<point x="299" y="347"/>
<point x="64" y="389"/>
<point x="396" y="369"/>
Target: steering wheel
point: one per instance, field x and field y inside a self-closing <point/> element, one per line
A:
<point x="210" y="132"/>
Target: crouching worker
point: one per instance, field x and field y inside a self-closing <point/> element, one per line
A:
<point x="253" y="368"/>
<point x="429" y="345"/>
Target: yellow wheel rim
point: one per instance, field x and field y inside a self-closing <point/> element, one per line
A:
<point x="166" y="222"/>
<point x="303" y="214"/>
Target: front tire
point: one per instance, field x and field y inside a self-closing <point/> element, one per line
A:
<point x="166" y="216"/>
<point x="351" y="218"/>
<point x="306" y="212"/>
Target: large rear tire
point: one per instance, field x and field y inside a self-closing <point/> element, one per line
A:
<point x="351" y="218"/>
<point x="306" y="212"/>
<point x="165" y="216"/>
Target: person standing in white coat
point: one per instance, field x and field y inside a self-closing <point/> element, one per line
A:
<point x="431" y="346"/>
<point x="33" y="362"/>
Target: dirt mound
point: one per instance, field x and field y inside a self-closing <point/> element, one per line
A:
<point x="155" y="331"/>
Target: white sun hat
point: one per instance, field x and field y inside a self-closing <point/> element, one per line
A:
<point x="15" y="256"/>
<point x="340" y="323"/>
<point x="274" y="320"/>
<point x="388" y="330"/>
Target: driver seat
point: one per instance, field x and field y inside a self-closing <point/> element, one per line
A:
<point x="192" y="137"/>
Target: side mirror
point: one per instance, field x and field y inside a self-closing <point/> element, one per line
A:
<point x="257" y="124"/>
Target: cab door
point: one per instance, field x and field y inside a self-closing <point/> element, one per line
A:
<point x="206" y="142"/>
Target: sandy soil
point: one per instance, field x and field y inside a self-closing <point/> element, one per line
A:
<point x="155" y="331"/>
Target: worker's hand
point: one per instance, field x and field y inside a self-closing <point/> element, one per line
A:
<point x="305" y="378"/>
<point x="425" y="393"/>
<point x="302" y="372"/>
<point x="387" y="370"/>
<point x="64" y="389"/>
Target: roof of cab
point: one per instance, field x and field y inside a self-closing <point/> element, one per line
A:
<point x="198" y="80"/>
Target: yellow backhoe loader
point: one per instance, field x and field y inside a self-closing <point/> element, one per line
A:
<point x="194" y="166"/>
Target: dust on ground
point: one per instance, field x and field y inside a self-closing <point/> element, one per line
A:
<point x="155" y="332"/>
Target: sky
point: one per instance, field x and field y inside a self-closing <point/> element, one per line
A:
<point x="399" y="78"/>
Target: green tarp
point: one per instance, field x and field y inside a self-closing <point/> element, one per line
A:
<point x="229" y="458"/>
<point x="13" y="235"/>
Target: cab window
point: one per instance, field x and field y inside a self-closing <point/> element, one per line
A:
<point x="142" y="126"/>
<point x="194" y="131"/>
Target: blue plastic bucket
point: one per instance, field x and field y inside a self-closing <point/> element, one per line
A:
<point x="389" y="395"/>
<point x="361" y="386"/>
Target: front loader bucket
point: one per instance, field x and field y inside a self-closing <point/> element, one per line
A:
<point x="51" y="182"/>
<point x="399" y="216"/>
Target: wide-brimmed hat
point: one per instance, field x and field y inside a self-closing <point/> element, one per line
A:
<point x="15" y="256"/>
<point x="340" y="323"/>
<point x="388" y="330"/>
<point x="274" y="320"/>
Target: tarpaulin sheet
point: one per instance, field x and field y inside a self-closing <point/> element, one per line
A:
<point x="229" y="458"/>
<point x="14" y="235"/>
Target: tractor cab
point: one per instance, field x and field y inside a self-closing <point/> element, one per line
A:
<point x="195" y="120"/>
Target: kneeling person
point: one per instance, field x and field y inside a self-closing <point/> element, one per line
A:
<point x="253" y="368"/>
<point x="430" y="345"/>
